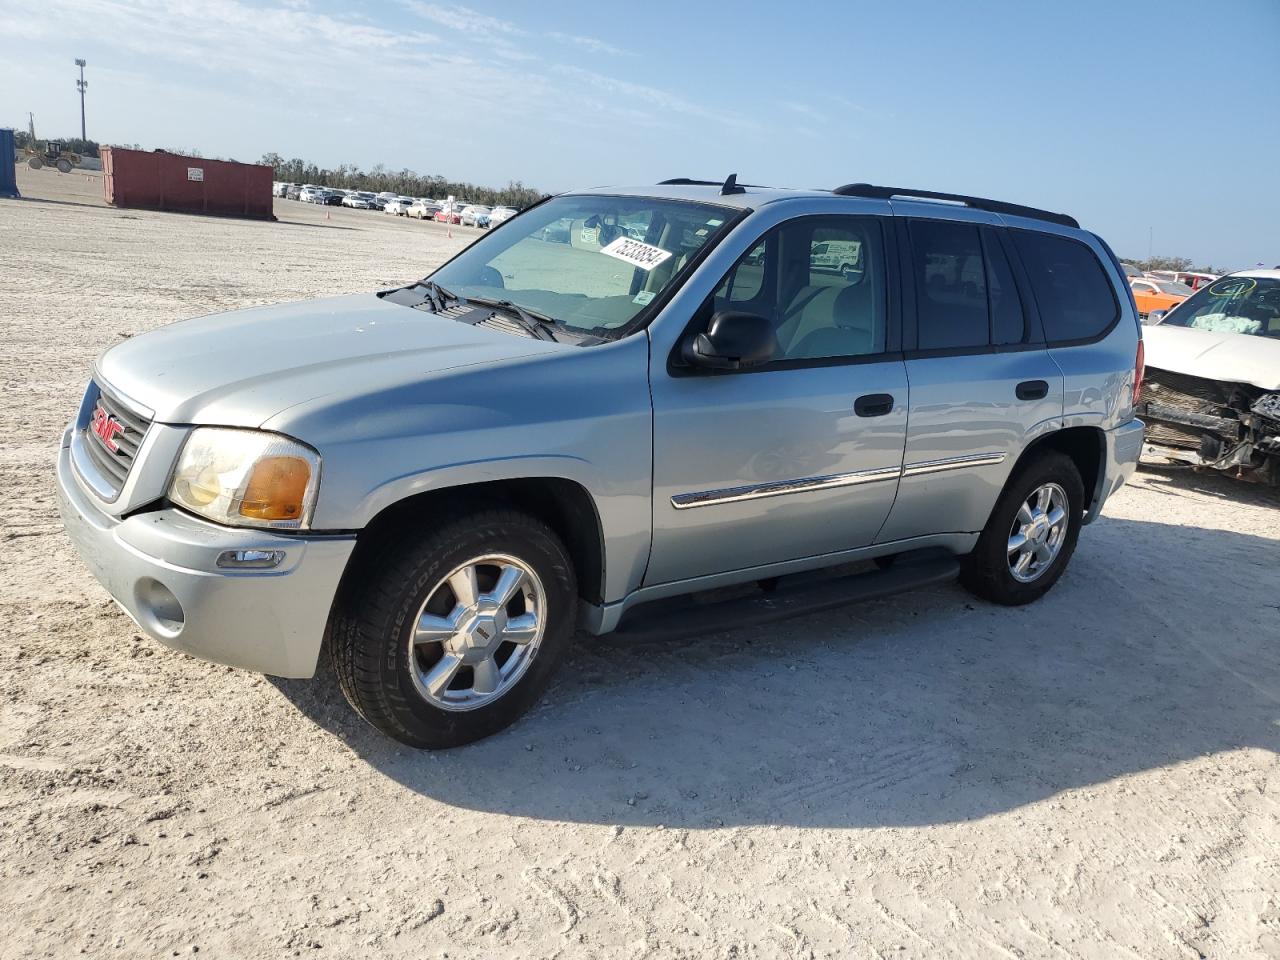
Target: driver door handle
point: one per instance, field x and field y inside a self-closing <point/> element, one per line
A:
<point x="1032" y="390"/>
<point x="873" y="405"/>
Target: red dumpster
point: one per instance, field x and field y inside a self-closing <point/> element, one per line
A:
<point x="158" y="180"/>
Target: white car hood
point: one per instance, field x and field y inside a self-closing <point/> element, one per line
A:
<point x="1231" y="357"/>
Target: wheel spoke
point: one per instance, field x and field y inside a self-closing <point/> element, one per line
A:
<point x="1042" y="499"/>
<point x="509" y="581"/>
<point x="1043" y="553"/>
<point x="1017" y="541"/>
<point x="487" y="676"/>
<point x="432" y="629"/>
<point x="465" y="589"/>
<point x="522" y="629"/>
<point x="1023" y="562"/>
<point x="1024" y="515"/>
<point x="1056" y="516"/>
<point x="442" y="674"/>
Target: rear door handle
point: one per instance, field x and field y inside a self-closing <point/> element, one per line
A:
<point x="1032" y="390"/>
<point x="873" y="405"/>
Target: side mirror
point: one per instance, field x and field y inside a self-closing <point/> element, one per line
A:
<point x="1155" y="316"/>
<point x="733" y="341"/>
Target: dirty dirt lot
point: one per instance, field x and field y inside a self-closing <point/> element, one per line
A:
<point x="1092" y="776"/>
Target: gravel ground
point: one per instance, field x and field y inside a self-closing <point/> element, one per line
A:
<point x="1091" y="776"/>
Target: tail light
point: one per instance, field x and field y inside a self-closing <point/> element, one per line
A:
<point x="1139" y="370"/>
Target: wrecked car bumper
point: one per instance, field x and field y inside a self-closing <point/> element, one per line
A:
<point x="1211" y="424"/>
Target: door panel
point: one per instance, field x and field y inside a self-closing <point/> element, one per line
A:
<point x="800" y="457"/>
<point x="982" y="383"/>
<point x="742" y="445"/>
<point x="967" y="428"/>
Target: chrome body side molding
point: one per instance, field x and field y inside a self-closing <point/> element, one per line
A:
<point x="921" y="467"/>
<point x="778" y="488"/>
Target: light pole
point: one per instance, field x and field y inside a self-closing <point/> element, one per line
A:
<point x="80" y="85"/>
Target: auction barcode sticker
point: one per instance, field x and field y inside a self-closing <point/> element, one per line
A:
<point x="637" y="254"/>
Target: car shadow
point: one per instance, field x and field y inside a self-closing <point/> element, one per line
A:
<point x="1157" y="647"/>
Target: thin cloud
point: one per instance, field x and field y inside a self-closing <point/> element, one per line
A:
<point x="291" y="76"/>
<point x="589" y="43"/>
<point x="463" y="19"/>
<point x="804" y="110"/>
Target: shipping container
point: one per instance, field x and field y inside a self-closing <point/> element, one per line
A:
<point x="159" y="180"/>
<point x="8" y="159"/>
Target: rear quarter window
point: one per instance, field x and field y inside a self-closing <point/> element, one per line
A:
<point x="1076" y="300"/>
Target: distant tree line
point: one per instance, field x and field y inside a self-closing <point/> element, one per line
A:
<point x="406" y="182"/>
<point x="1178" y="264"/>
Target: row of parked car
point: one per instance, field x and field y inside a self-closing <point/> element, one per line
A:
<point x="448" y="210"/>
<point x="1159" y="291"/>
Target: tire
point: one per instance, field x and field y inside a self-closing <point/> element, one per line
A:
<point x="35" y="163"/>
<point x="990" y="571"/>
<point x="64" y="166"/>
<point x="378" y="611"/>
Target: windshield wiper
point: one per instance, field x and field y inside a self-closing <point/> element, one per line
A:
<point x="438" y="295"/>
<point x="535" y="324"/>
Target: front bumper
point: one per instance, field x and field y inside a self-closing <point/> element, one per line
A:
<point x="161" y="568"/>
<point x="1123" y="448"/>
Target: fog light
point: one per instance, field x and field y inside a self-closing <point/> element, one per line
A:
<point x="250" y="559"/>
<point x="158" y="609"/>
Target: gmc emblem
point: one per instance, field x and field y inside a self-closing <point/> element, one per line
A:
<point x="107" y="428"/>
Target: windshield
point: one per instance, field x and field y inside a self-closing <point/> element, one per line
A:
<point x="1249" y="305"/>
<point x="593" y="263"/>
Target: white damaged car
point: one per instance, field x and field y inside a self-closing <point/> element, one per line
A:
<point x="1211" y="397"/>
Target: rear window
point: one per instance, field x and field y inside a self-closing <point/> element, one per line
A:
<point x="1073" y="293"/>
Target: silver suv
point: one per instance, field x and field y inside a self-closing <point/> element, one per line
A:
<point x="617" y="397"/>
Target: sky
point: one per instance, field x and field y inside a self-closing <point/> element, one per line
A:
<point x="1157" y="124"/>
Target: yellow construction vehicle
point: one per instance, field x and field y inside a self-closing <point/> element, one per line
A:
<point x="48" y="153"/>
<point x="51" y="153"/>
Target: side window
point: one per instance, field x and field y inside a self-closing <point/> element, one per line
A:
<point x="1071" y="289"/>
<point x="744" y="282"/>
<point x="821" y="282"/>
<point x="1008" y="321"/>
<point x="951" y="285"/>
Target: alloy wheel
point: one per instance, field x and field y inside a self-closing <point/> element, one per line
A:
<point x="477" y="633"/>
<point x="1038" y="532"/>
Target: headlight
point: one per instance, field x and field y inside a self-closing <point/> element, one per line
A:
<point x="246" y="478"/>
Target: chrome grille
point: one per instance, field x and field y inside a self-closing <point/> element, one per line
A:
<point x="113" y="425"/>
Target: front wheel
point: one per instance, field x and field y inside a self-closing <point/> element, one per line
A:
<point x="453" y="636"/>
<point x="1030" y="535"/>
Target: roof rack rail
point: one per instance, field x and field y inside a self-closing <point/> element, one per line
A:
<point x="729" y="186"/>
<point x="977" y="203"/>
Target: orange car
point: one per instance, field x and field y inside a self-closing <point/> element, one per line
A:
<point x="1153" y="294"/>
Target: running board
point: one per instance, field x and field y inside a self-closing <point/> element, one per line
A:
<point x="792" y="596"/>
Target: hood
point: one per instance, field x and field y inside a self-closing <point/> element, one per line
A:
<point x="1232" y="357"/>
<point x="242" y="368"/>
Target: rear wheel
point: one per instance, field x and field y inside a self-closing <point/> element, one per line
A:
<point x="64" y="166"/>
<point x="1031" y="534"/>
<point x="453" y="637"/>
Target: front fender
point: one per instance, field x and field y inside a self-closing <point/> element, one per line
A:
<point x="580" y="415"/>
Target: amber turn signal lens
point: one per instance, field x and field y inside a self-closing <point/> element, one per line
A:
<point x="277" y="489"/>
